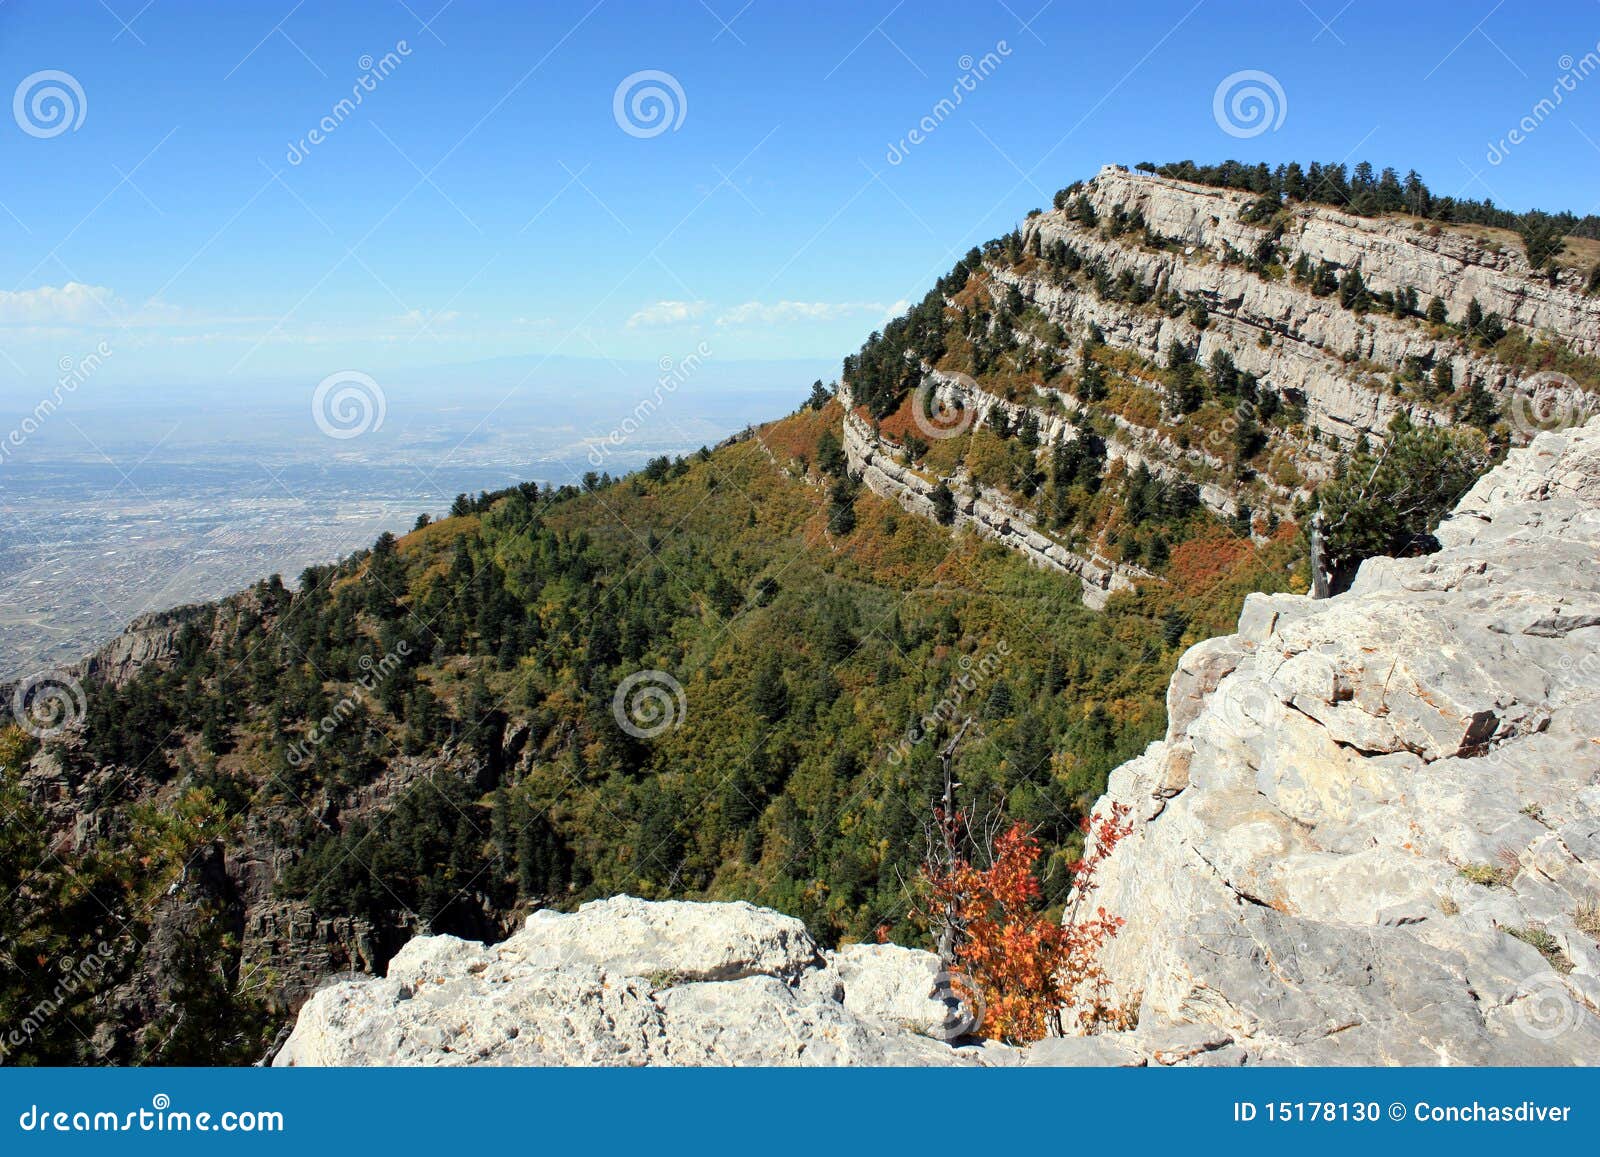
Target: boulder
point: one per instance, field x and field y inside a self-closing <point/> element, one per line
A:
<point x="631" y="982"/>
<point x="670" y="939"/>
<point x="901" y="988"/>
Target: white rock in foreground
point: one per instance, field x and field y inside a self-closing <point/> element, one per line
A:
<point x="1360" y="800"/>
<point x="630" y="982"/>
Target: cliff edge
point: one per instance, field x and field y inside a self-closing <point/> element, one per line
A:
<point x="1372" y="832"/>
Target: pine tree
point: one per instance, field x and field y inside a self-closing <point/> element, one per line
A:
<point x="1443" y="379"/>
<point x="769" y="696"/>
<point x="1543" y="239"/>
<point x="1385" y="502"/>
<point x="999" y="704"/>
<point x="829" y="455"/>
<point x="841" y="507"/>
<point x="1353" y="291"/>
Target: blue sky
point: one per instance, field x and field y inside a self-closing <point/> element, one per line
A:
<point x="483" y="200"/>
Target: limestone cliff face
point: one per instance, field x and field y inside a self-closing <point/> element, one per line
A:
<point x="1391" y="252"/>
<point x="1372" y="832"/>
<point x="1337" y="360"/>
<point x="1336" y="367"/>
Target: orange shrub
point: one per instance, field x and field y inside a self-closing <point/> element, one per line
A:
<point x="1026" y="966"/>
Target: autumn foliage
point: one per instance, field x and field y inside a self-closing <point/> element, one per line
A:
<point x="1029" y="969"/>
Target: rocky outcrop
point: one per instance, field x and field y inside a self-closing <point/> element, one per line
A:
<point x="629" y="982"/>
<point x="1371" y="834"/>
<point x="1392" y="252"/>
<point x="1308" y="347"/>
<point x="1210" y="281"/>
<point x="148" y="640"/>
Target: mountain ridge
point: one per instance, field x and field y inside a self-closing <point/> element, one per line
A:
<point x="435" y="734"/>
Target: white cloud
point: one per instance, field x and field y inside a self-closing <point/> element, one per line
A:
<point x="71" y="304"/>
<point x="57" y="311"/>
<point x="667" y="313"/>
<point x="422" y="317"/>
<point x="773" y="313"/>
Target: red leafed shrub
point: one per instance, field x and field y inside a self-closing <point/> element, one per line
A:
<point x="1027" y="967"/>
